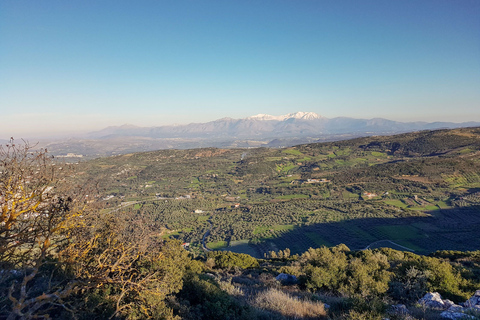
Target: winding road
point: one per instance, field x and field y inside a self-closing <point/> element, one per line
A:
<point x="207" y="234"/>
<point x="390" y="241"/>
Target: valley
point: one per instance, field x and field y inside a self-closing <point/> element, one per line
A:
<point x="419" y="191"/>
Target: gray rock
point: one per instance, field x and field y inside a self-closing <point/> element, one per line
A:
<point x="456" y="308"/>
<point x="455" y="311"/>
<point x="432" y="300"/>
<point x="448" y="303"/>
<point x="286" y="278"/>
<point x="398" y="309"/>
<point x="455" y="315"/>
<point x="473" y="301"/>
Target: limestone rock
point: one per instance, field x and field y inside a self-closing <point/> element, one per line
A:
<point x="455" y="311"/>
<point x="398" y="309"/>
<point x="433" y="300"/>
<point x="455" y="315"/>
<point x="286" y="278"/>
<point x="473" y="301"/>
<point x="455" y="308"/>
<point x="448" y="303"/>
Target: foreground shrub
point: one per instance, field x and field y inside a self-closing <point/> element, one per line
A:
<point x="60" y="258"/>
<point x="415" y="274"/>
<point x="202" y="298"/>
<point x="355" y="315"/>
<point x="364" y="274"/>
<point x="228" y="260"/>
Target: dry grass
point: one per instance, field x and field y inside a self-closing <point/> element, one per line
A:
<point x="280" y="302"/>
<point x="231" y="289"/>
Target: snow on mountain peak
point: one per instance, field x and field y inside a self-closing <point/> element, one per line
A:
<point x="303" y="115"/>
<point x="296" y="115"/>
<point x="262" y="116"/>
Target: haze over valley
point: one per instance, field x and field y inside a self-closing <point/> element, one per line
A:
<point x="254" y="131"/>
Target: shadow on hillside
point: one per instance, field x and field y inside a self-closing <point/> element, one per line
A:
<point x="446" y="229"/>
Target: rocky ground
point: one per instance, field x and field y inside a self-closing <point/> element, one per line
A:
<point x="469" y="309"/>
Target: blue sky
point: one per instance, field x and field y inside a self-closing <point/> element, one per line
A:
<point x="68" y="66"/>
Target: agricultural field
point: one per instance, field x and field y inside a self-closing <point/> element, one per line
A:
<point x="217" y="245"/>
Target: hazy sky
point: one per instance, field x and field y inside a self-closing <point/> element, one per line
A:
<point x="84" y="65"/>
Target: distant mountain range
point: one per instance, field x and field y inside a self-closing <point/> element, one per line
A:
<point x="254" y="131"/>
<point x="264" y="126"/>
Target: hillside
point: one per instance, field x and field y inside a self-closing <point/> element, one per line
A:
<point x="419" y="191"/>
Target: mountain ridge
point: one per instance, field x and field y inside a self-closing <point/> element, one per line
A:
<point x="264" y="126"/>
<point x="287" y="130"/>
<point x="296" y="115"/>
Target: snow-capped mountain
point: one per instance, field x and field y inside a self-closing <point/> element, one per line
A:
<point x="255" y="131"/>
<point x="296" y="115"/>
<point x="264" y="127"/>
